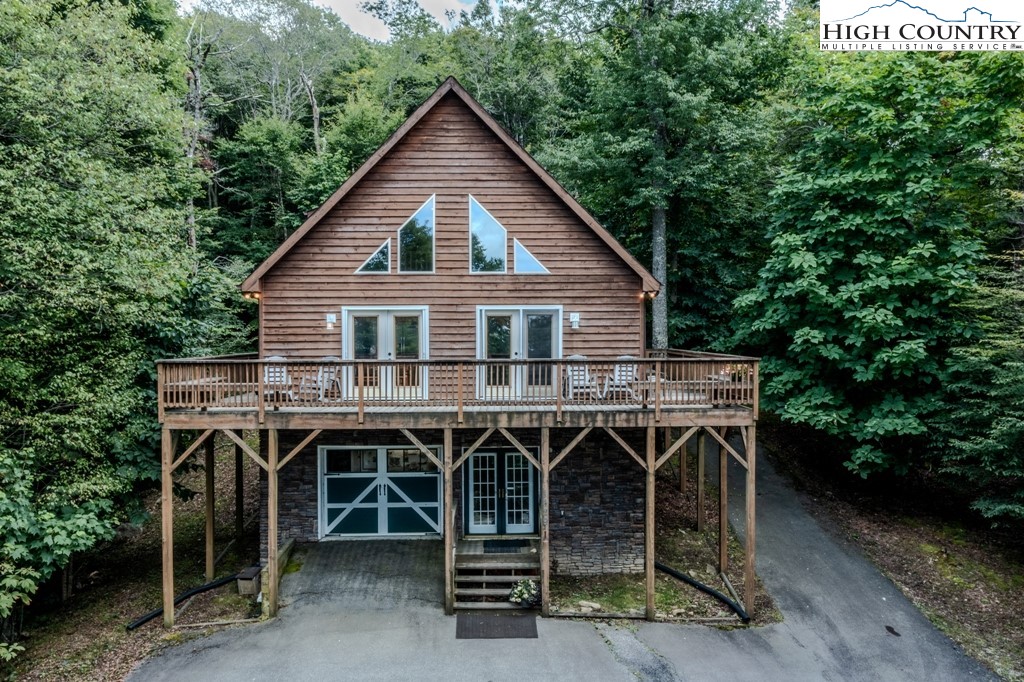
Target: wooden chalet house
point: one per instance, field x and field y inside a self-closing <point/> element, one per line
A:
<point x="451" y="346"/>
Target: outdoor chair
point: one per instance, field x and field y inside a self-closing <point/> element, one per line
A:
<point x="580" y="383"/>
<point x="327" y="377"/>
<point x="276" y="379"/>
<point x="623" y="377"/>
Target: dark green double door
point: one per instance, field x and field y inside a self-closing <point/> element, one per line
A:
<point x="379" y="491"/>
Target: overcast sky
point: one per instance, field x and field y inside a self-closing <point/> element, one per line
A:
<point x="363" y="23"/>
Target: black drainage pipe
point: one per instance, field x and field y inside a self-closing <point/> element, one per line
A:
<point x="705" y="589"/>
<point x="180" y="598"/>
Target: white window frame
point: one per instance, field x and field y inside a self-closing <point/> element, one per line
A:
<point x="359" y="270"/>
<point x="515" y="261"/>
<point x="432" y="200"/>
<point x="469" y="203"/>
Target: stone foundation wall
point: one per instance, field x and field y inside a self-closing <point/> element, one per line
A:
<point x="597" y="494"/>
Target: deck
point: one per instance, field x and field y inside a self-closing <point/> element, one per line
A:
<point x="673" y="388"/>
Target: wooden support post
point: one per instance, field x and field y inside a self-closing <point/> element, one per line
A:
<point x="270" y="593"/>
<point x="168" y="444"/>
<point x="649" y="525"/>
<point x="751" y="530"/>
<point x="210" y="499"/>
<point x="239" y="496"/>
<point x="449" y="523"/>
<point x="684" y="462"/>
<point x="701" y="516"/>
<point x="723" y="509"/>
<point x="545" y="513"/>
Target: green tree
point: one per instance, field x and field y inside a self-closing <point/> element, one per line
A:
<point x="875" y="239"/>
<point x="91" y="272"/>
<point x="666" y="142"/>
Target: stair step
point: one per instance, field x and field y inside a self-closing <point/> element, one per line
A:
<point x="490" y="578"/>
<point x="487" y="605"/>
<point x="510" y="565"/>
<point x="480" y="592"/>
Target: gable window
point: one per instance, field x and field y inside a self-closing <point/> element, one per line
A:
<point x="488" y="240"/>
<point x="416" y="240"/>
<point x="380" y="261"/>
<point x="525" y="262"/>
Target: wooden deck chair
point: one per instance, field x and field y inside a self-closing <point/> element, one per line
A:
<point x="327" y="376"/>
<point x="579" y="381"/>
<point x="623" y="377"/>
<point x="276" y="379"/>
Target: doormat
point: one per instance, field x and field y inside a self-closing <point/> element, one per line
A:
<point x="504" y="546"/>
<point x="495" y="626"/>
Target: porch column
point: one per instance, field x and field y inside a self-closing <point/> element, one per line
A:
<point x="649" y="525"/>
<point x="272" y="567"/>
<point x="701" y="450"/>
<point x="209" y="464"/>
<point x="749" y="588"/>
<point x="239" y="494"/>
<point x="449" y="524"/>
<point x="168" y="443"/>
<point x="723" y="507"/>
<point x="545" y="535"/>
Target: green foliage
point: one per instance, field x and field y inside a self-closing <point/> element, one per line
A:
<point x="668" y="110"/>
<point x="980" y="429"/>
<point x="91" y="275"/>
<point x="876" y="234"/>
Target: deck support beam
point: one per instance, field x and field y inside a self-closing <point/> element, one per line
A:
<point x="723" y="509"/>
<point x="649" y="524"/>
<point x="168" y="444"/>
<point x="239" y="496"/>
<point x="273" y="572"/>
<point x="449" y="523"/>
<point x="545" y="512"/>
<point x="701" y="452"/>
<point x="750" y="536"/>
<point x="209" y="504"/>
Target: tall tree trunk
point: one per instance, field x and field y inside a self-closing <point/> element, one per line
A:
<point x="659" y="321"/>
<point x="314" y="108"/>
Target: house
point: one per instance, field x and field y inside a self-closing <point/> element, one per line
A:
<point x="452" y="346"/>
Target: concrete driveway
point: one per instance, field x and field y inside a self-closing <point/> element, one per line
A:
<point x="835" y="605"/>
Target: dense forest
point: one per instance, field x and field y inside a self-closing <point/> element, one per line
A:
<point x="853" y="218"/>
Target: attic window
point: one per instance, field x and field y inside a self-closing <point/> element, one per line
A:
<point x="526" y="263"/>
<point x="488" y="240"/>
<point x="416" y="240"/>
<point x="380" y="261"/>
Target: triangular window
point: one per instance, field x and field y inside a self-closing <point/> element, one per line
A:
<point x="416" y="240"/>
<point x="380" y="261"/>
<point x="488" y="240"/>
<point x="526" y="263"/>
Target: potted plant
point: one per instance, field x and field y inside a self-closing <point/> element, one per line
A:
<point x="525" y="593"/>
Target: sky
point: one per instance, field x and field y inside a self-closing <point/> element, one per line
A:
<point x="363" y="23"/>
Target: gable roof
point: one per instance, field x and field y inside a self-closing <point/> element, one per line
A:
<point x="451" y="85"/>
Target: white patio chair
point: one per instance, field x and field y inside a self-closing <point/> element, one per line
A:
<point x="328" y="376"/>
<point x="580" y="383"/>
<point x="623" y="377"/>
<point x="276" y="379"/>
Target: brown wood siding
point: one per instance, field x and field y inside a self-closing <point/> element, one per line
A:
<point x="450" y="154"/>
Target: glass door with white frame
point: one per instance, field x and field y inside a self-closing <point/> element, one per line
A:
<point x="513" y="335"/>
<point x="500" y="494"/>
<point x="388" y="335"/>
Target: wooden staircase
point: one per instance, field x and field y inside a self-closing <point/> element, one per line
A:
<point x="483" y="581"/>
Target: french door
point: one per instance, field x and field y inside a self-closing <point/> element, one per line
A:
<point x="500" y="494"/>
<point x="513" y="335"/>
<point x="387" y="334"/>
<point x="375" y="491"/>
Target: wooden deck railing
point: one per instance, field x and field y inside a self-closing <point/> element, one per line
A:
<point x="663" y="380"/>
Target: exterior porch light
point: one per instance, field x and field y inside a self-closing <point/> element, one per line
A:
<point x="332" y="320"/>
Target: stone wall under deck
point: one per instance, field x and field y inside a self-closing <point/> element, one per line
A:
<point x="597" y="493"/>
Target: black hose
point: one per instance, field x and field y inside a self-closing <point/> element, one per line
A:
<point x="705" y="589"/>
<point x="180" y="598"/>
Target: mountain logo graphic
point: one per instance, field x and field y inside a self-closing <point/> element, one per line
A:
<point x="902" y="10"/>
